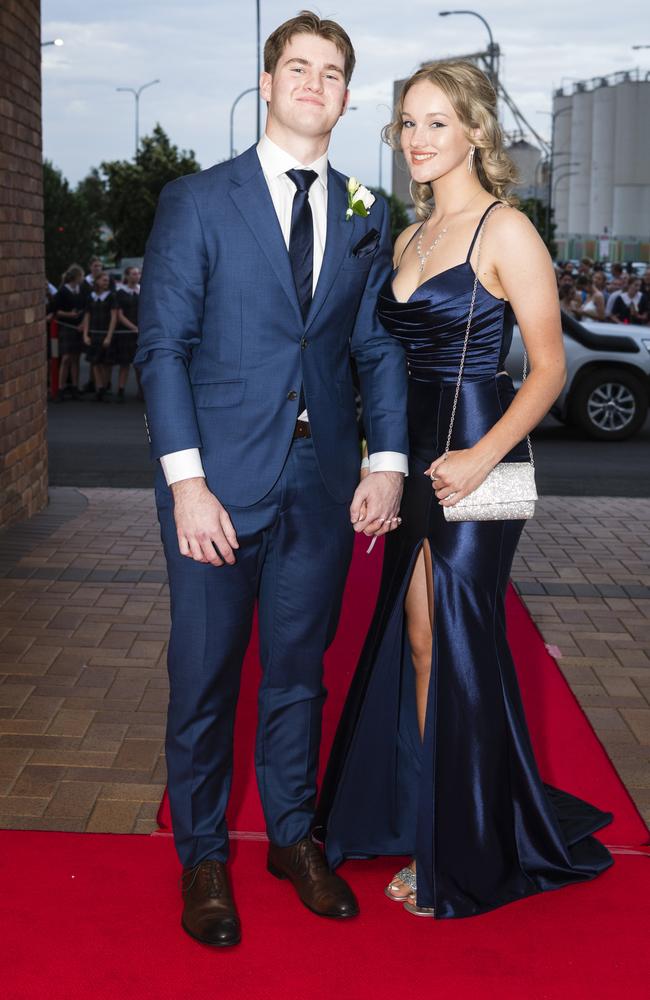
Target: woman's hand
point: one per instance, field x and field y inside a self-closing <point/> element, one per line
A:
<point x="457" y="474"/>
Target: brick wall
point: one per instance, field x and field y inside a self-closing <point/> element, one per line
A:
<point x="23" y="451"/>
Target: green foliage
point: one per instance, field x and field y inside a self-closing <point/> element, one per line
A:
<point x="535" y="209"/>
<point x="399" y="217"/>
<point x="121" y="195"/>
<point x="91" y="189"/>
<point x="131" y="190"/>
<point x="71" y="224"/>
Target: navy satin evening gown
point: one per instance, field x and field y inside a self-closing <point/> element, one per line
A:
<point x="467" y="802"/>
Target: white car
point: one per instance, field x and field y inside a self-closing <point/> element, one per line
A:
<point x="608" y="377"/>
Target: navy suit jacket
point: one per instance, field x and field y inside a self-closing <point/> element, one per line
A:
<point x="223" y="348"/>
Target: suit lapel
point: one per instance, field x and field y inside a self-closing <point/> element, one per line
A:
<point x="253" y="200"/>
<point x="339" y="237"/>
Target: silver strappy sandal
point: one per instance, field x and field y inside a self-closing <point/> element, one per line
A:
<point x="408" y="877"/>
<point x="417" y="911"/>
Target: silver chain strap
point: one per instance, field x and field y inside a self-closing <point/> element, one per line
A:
<point x="466" y="342"/>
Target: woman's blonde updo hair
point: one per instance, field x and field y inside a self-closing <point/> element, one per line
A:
<point x="474" y="100"/>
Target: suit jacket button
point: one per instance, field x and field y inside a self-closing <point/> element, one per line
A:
<point x="303" y="342"/>
<point x="292" y="395"/>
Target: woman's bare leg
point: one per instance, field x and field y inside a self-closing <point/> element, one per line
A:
<point x="418" y="607"/>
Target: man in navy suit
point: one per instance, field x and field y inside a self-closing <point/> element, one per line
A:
<point x="257" y="287"/>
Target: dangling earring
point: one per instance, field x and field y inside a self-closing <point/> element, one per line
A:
<point x="470" y="159"/>
<point x="411" y="190"/>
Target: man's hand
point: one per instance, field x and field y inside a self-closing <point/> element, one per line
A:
<point x="376" y="501"/>
<point x="203" y="525"/>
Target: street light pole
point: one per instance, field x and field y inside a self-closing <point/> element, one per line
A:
<point x="381" y="145"/>
<point x="55" y="41"/>
<point x="554" y="116"/>
<point x="249" y="90"/>
<point x="136" y="94"/>
<point x="492" y="47"/>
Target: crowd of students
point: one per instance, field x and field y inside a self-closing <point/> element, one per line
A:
<point x="615" y="295"/>
<point x="96" y="316"/>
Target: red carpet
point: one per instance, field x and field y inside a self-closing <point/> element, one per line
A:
<point x="95" y="917"/>
<point x="568" y="751"/>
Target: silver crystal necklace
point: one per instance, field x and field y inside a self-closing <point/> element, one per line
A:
<point x="423" y="257"/>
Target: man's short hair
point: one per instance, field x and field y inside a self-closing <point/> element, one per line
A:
<point x="308" y="23"/>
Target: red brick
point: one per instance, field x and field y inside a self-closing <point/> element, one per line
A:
<point x="23" y="464"/>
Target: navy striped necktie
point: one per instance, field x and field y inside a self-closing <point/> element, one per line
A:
<point x="301" y="239"/>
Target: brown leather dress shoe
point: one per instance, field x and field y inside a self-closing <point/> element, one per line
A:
<point x="209" y="913"/>
<point x="319" y="889"/>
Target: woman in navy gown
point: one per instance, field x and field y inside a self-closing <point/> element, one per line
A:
<point x="432" y="758"/>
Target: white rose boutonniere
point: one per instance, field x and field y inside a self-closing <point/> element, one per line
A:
<point x="360" y="199"/>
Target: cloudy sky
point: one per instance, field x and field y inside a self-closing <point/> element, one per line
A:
<point x="204" y="53"/>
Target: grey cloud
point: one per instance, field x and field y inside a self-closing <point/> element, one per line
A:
<point x="204" y="53"/>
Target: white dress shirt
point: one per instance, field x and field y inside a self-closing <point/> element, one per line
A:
<point x="275" y="162"/>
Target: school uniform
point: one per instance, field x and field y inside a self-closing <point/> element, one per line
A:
<point x="99" y="308"/>
<point x="125" y="340"/>
<point x="67" y="299"/>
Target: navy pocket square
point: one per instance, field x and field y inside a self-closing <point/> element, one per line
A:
<point x="367" y="244"/>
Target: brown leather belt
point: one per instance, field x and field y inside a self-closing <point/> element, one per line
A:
<point x="301" y="430"/>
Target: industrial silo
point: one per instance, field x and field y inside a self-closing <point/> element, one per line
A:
<point x="562" y="115"/>
<point x="602" y="160"/>
<point x="631" y="203"/>
<point x="526" y="159"/>
<point x="579" y="165"/>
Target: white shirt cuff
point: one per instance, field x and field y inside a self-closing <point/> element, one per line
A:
<point x="184" y="464"/>
<point x="389" y="461"/>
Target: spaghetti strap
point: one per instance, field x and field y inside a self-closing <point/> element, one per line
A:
<point x="478" y="229"/>
<point x="408" y="244"/>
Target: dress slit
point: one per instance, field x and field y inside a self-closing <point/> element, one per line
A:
<point x="394" y="731"/>
<point x="467" y="800"/>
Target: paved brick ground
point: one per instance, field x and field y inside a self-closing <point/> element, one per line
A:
<point x="83" y="626"/>
<point x="83" y="692"/>
<point x="583" y="568"/>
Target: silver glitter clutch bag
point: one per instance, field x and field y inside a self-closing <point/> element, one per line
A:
<point x="508" y="492"/>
